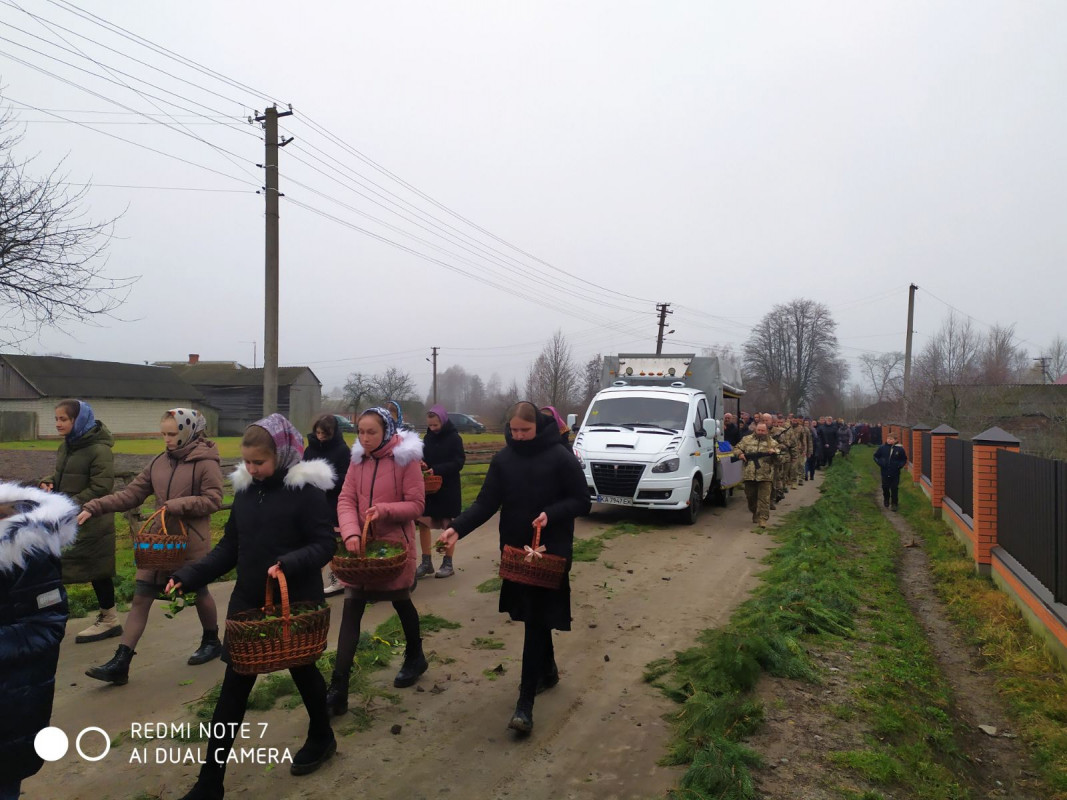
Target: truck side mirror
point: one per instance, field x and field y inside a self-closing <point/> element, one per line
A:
<point x="572" y="419"/>
<point x="711" y="427"/>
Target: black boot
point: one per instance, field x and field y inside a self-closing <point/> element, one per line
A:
<point x="117" y="670"/>
<point x="549" y="679"/>
<point x="313" y="755"/>
<point x="414" y="665"/>
<point x="337" y="695"/>
<point x="210" y="649"/>
<point x="204" y="791"/>
<point x="522" y="719"/>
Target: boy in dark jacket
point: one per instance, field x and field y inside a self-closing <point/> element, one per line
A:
<point x="34" y="526"/>
<point x="891" y="459"/>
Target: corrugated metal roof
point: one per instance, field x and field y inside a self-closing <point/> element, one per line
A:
<point x="54" y="376"/>
<point x="223" y="374"/>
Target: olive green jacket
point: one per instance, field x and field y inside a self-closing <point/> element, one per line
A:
<point x="85" y="470"/>
<point x="766" y="449"/>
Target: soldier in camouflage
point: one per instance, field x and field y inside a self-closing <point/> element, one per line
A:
<point x="759" y="452"/>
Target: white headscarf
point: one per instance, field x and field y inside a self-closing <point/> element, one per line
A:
<point x="191" y="423"/>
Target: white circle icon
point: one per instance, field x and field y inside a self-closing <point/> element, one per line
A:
<point x="107" y="744"/>
<point x="51" y="744"/>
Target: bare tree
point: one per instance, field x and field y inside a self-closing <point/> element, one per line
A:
<point x="52" y="257"/>
<point x="791" y="350"/>
<point x="884" y="374"/>
<point x="949" y="359"/>
<point x="1002" y="359"/>
<point x="357" y="388"/>
<point x="393" y="384"/>
<point x="1056" y="353"/>
<point x="553" y="377"/>
<point x="590" y="378"/>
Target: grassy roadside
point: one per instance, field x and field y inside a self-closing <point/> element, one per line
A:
<point x="831" y="584"/>
<point x="1030" y="681"/>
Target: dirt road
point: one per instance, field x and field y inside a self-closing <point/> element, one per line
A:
<point x="599" y="734"/>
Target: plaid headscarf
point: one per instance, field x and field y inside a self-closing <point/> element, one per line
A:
<point x="191" y="423"/>
<point x="288" y="443"/>
<point x="387" y="420"/>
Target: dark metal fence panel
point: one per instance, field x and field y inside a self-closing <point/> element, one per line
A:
<point x="1026" y="514"/>
<point x="1060" y="592"/>
<point x="966" y="501"/>
<point x="954" y="469"/>
<point x="926" y="455"/>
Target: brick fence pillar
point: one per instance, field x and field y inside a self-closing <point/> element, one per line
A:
<point x="937" y="464"/>
<point x="986" y="445"/>
<point x="917" y="451"/>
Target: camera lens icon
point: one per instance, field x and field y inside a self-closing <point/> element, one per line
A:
<point x="52" y="744"/>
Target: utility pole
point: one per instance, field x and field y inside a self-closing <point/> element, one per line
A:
<point x="1043" y="361"/>
<point x="664" y="310"/>
<point x="270" y="296"/>
<point x="907" y="349"/>
<point x="434" y="352"/>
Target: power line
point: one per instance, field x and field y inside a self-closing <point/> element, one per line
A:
<point x="159" y="188"/>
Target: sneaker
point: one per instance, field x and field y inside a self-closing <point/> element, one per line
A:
<point x="446" y="570"/>
<point x="425" y="569"/>
<point x="332" y="586"/>
<point x="522" y="719"/>
<point x="106" y="626"/>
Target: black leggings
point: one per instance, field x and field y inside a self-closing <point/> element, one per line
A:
<point x="351" y="619"/>
<point x="233" y="699"/>
<point x="538" y="656"/>
<point x="105" y="592"/>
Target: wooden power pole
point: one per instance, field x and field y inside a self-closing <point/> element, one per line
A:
<point x="270" y="296"/>
<point x="664" y="310"/>
<point x="434" y="350"/>
<point x="907" y="350"/>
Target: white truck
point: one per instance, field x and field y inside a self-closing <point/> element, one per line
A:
<point x="652" y="436"/>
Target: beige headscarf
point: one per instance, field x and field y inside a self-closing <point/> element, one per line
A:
<point x="191" y="423"/>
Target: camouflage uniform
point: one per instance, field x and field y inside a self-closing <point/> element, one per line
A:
<point x="807" y="447"/>
<point x="780" y="465"/>
<point x="792" y="439"/>
<point x="759" y="474"/>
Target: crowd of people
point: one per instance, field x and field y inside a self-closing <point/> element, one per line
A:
<point x="293" y="508"/>
<point x="782" y="452"/>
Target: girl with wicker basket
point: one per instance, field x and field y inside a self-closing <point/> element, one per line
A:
<point x="383" y="494"/>
<point x="535" y="483"/>
<point x="280" y="523"/>
<point x="186" y="481"/>
<point x="442" y="456"/>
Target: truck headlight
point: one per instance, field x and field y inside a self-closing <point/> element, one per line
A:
<point x="581" y="459"/>
<point x="670" y="465"/>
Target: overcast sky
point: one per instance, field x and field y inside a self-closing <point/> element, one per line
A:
<point x="720" y="156"/>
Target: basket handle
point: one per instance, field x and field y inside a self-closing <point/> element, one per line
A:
<point x="363" y="538"/>
<point x="537" y="536"/>
<point x="162" y="514"/>
<point x="283" y="591"/>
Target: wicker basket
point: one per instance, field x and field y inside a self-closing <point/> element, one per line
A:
<point x="359" y="570"/>
<point x="531" y="565"/>
<point x="433" y="483"/>
<point x="159" y="550"/>
<point x="258" y="641"/>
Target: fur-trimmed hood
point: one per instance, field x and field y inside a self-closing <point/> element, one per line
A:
<point x="43" y="521"/>
<point x="405" y="447"/>
<point x="316" y="472"/>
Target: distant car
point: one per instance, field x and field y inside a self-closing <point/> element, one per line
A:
<point x="344" y="424"/>
<point x="465" y="423"/>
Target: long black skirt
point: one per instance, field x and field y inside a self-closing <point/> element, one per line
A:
<point x="549" y="608"/>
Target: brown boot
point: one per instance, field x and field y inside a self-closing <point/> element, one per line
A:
<point x="106" y="626"/>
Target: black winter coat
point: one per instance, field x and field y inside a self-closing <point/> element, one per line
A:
<point x="335" y="452"/>
<point x="891" y="459"/>
<point x="731" y="433"/>
<point x="524" y="479"/>
<point x="443" y="453"/>
<point x="285" y="519"/>
<point x="828" y="433"/>
<point x="33" y="617"/>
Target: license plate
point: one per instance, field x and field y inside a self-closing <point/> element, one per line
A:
<point x="613" y="500"/>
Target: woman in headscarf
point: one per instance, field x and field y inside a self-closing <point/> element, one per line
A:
<point x="384" y="487"/>
<point x="186" y="480"/>
<point x="280" y="523"/>
<point x="397" y="413"/>
<point x="327" y="443"/>
<point x="442" y="455"/>
<point x="534" y="480"/>
<point x="85" y="470"/>
<point x="564" y="428"/>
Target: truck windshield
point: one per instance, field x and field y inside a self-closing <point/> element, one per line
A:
<point x="631" y="411"/>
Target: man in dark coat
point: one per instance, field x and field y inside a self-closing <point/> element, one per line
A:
<point x="828" y="434"/>
<point x="891" y="458"/>
<point x="730" y="431"/>
<point x="34" y="526"/>
<point x="442" y="455"/>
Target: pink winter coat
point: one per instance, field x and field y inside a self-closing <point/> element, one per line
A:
<point x="390" y="479"/>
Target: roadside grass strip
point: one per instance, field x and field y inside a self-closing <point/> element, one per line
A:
<point x="375" y="651"/>
<point x="1028" y="678"/>
<point x="830" y="585"/>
